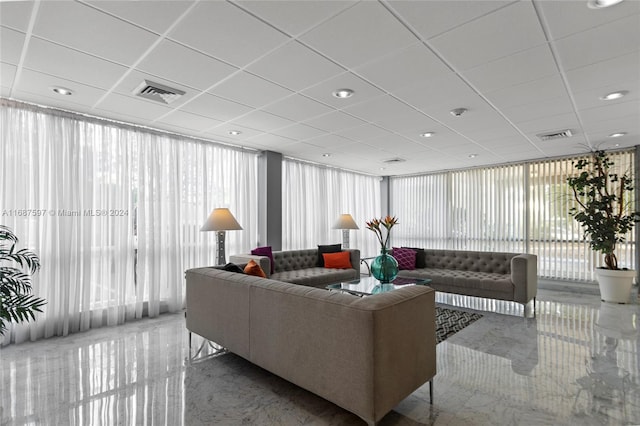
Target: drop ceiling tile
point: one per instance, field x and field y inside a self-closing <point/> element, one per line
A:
<point x="196" y="123"/>
<point x="11" y="43"/>
<point x="502" y="33"/>
<point x="430" y="18"/>
<point x="261" y="120"/>
<point x="40" y="84"/>
<point x="215" y="107"/>
<point x="606" y="73"/>
<point x="605" y="42"/>
<point x="5" y="92"/>
<point x="323" y="92"/>
<point x="93" y="32"/>
<point x="294" y="66"/>
<point x="52" y="101"/>
<point x="529" y="65"/>
<point x="406" y="67"/>
<point x="138" y="12"/>
<point x="569" y="17"/>
<point x="297" y="108"/>
<point x="354" y="37"/>
<point x="535" y="91"/>
<point x="270" y="141"/>
<point x="250" y="90"/>
<point x="224" y="129"/>
<point x="134" y="107"/>
<point x="328" y="141"/>
<point x="630" y="108"/>
<point x="224" y="31"/>
<point x="71" y="64"/>
<point x="605" y="127"/>
<point x="391" y="114"/>
<point x="299" y="132"/>
<point x="16" y="14"/>
<point x="334" y="121"/>
<point x="541" y="109"/>
<point x="437" y="94"/>
<point x="364" y="132"/>
<point x="295" y="17"/>
<point x="168" y="58"/>
<point x="7" y="74"/>
<point x="491" y="133"/>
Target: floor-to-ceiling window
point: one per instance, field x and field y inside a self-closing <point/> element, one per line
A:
<point x="114" y="213"/>
<point x="512" y="208"/>
<point x="313" y="197"/>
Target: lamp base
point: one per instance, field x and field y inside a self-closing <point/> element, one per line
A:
<point x="220" y="235"/>
<point x="345" y="238"/>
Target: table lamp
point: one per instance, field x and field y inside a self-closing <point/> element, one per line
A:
<point x="345" y="222"/>
<point x="221" y="220"/>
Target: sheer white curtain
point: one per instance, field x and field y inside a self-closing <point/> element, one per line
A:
<point x="313" y="197"/>
<point x="114" y="213"/>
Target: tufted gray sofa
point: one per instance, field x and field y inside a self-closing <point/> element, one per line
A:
<point x="299" y="267"/>
<point x="503" y="276"/>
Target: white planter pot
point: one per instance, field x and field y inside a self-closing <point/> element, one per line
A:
<point x="615" y="285"/>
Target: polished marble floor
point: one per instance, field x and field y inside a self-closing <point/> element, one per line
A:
<point x="575" y="363"/>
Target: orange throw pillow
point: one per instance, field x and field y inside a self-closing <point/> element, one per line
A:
<point x="254" y="269"/>
<point x="340" y="260"/>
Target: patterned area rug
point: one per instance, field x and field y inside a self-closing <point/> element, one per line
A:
<point x="450" y="321"/>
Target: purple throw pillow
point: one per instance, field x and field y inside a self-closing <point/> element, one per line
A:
<point x="264" y="251"/>
<point x="406" y="258"/>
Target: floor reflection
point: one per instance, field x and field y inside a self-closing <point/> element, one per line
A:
<point x="575" y="362"/>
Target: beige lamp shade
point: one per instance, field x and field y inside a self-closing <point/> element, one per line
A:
<point x="221" y="219"/>
<point x="345" y="221"/>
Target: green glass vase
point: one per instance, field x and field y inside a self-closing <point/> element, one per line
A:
<point x="384" y="267"/>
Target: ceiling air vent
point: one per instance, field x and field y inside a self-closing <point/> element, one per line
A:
<point x="157" y="92"/>
<point x="394" y="160"/>
<point x="560" y="134"/>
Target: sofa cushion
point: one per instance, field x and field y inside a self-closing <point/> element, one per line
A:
<point x="254" y="269"/>
<point x="338" y="260"/>
<point x="316" y="277"/>
<point x="406" y="257"/>
<point x="332" y="248"/>
<point x="265" y="251"/>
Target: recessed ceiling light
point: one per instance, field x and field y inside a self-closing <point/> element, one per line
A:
<point x="458" y="112"/>
<point x="613" y="95"/>
<point x="601" y="4"/>
<point x="383" y="168"/>
<point x="473" y="155"/>
<point x="427" y="134"/>
<point x="326" y="154"/>
<point x="343" y="93"/>
<point x="62" y="90"/>
<point x="617" y="135"/>
<point x="235" y="132"/>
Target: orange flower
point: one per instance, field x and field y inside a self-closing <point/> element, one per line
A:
<point x="375" y="224"/>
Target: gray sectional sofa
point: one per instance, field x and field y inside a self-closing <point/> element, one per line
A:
<point x="299" y="267"/>
<point x="494" y="275"/>
<point x="344" y="348"/>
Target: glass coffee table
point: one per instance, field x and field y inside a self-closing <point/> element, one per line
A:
<point x="366" y="286"/>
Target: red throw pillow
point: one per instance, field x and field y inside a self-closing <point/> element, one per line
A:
<point x="340" y="260"/>
<point x="406" y="258"/>
<point x="254" y="269"/>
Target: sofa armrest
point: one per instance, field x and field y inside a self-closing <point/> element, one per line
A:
<point x="354" y="258"/>
<point x="263" y="261"/>
<point x="524" y="275"/>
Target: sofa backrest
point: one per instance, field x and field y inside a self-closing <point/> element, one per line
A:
<point x="475" y="261"/>
<point x="292" y="260"/>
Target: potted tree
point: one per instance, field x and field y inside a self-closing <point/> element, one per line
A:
<point x="603" y="209"/>
<point x="16" y="302"/>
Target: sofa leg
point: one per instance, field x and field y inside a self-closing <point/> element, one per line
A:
<point x="431" y="391"/>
